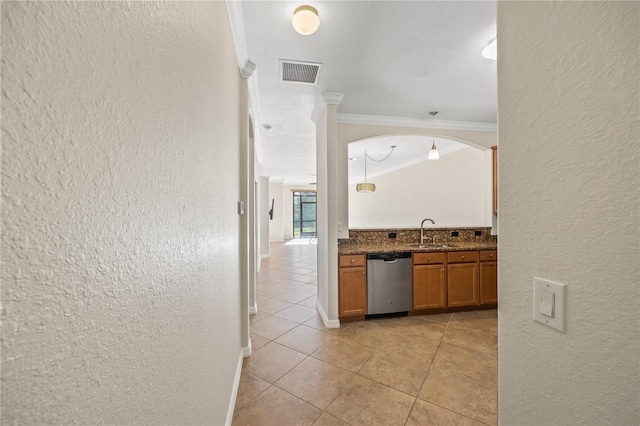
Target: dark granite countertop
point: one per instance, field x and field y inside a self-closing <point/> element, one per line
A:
<point x="397" y="247"/>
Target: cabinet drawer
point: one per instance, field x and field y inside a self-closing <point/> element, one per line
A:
<point x="488" y="255"/>
<point x="351" y="260"/>
<point x="427" y="258"/>
<point x="462" y="256"/>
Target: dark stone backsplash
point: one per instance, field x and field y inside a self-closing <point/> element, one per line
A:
<point x="412" y="236"/>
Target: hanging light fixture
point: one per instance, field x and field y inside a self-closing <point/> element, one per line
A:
<point x="368" y="186"/>
<point x="365" y="186"/>
<point x="305" y="20"/>
<point x="433" y="154"/>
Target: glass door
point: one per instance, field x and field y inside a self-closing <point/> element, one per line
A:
<point x="304" y="214"/>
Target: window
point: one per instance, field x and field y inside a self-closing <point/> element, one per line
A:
<point x="304" y="214"/>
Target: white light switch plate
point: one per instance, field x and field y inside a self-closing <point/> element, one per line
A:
<point x="549" y="303"/>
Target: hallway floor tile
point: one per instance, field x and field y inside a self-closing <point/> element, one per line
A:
<point x="434" y="369"/>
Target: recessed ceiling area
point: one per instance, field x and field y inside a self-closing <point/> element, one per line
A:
<point x="390" y="59"/>
<point x="410" y="149"/>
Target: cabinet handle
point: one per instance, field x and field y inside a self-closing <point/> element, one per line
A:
<point x="490" y="255"/>
<point x="353" y="260"/>
<point x="463" y="257"/>
<point x="429" y="258"/>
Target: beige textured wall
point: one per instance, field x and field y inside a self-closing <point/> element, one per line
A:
<point x="451" y="191"/>
<point x="569" y="132"/>
<point x="349" y="132"/>
<point x="120" y="171"/>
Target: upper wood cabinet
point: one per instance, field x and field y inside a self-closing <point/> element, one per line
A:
<point x="495" y="179"/>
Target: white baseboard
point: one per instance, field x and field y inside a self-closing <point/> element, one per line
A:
<point x="327" y="323"/>
<point x="265" y="256"/>
<point x="253" y="309"/>
<point x="236" y="385"/>
<point x="246" y="352"/>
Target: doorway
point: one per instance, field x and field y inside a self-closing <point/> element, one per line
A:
<point x="304" y="214"/>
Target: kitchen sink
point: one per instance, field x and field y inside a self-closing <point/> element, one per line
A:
<point x="432" y="246"/>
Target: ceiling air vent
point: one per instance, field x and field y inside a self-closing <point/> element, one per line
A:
<point x="299" y="72"/>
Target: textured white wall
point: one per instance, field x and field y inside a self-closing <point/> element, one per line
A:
<point x="276" y="229"/>
<point x="264" y="206"/>
<point x="569" y="131"/>
<point x="120" y="166"/>
<point x="451" y="191"/>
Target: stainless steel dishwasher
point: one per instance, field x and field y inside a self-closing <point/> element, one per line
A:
<point x="388" y="283"/>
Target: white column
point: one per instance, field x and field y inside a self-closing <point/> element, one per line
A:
<point x="325" y="116"/>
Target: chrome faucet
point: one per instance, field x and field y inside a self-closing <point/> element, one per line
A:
<point x="422" y="230"/>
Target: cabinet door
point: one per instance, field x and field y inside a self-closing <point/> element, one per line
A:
<point x="488" y="283"/>
<point x="428" y="287"/>
<point x="462" y="284"/>
<point x="352" y="292"/>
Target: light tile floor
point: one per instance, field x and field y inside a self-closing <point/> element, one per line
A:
<point x="427" y="370"/>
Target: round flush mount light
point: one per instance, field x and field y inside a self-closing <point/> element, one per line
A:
<point x="305" y="20"/>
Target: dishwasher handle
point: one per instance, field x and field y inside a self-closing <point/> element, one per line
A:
<point x="390" y="261"/>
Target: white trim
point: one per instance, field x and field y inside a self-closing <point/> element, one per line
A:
<point x="412" y="122"/>
<point x="236" y="22"/>
<point x="234" y="390"/>
<point x="332" y="98"/>
<point x="265" y="256"/>
<point x="247" y="70"/>
<point x="253" y="309"/>
<point x="318" y="109"/>
<point x="327" y="323"/>
<point x="246" y="351"/>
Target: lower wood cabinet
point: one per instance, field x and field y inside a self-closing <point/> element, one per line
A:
<point x="488" y="277"/>
<point x="462" y="279"/>
<point x="429" y="286"/>
<point x="352" y="286"/>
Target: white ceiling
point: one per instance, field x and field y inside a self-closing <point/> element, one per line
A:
<point x="388" y="58"/>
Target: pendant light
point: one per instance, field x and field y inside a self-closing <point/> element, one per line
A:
<point x="365" y="186"/>
<point x="433" y="154"/>
<point x="368" y="186"/>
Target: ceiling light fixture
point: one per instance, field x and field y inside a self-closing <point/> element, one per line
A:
<point x="491" y="51"/>
<point x="368" y="186"/>
<point x="305" y="20"/>
<point x="433" y="154"/>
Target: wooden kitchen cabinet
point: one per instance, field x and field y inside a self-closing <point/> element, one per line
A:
<point x="429" y="287"/>
<point x="488" y="277"/>
<point x="462" y="279"/>
<point x="352" y="286"/>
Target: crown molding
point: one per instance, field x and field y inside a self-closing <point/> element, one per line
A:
<point x="332" y="98"/>
<point x="234" y="12"/>
<point x="317" y="110"/>
<point x="412" y="122"/>
<point x="247" y="70"/>
<point x="327" y="98"/>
